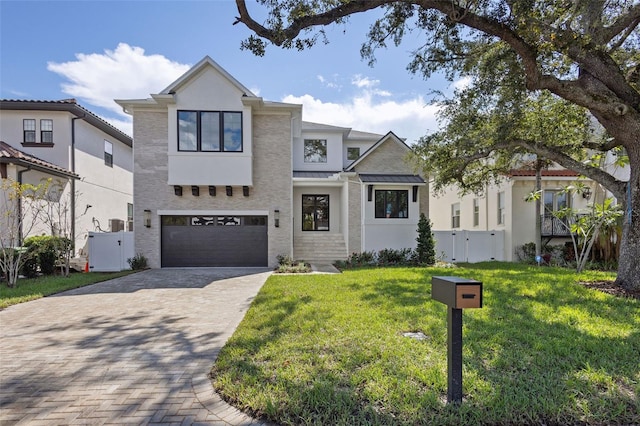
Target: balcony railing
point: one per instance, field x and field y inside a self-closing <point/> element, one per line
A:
<point x="555" y="227"/>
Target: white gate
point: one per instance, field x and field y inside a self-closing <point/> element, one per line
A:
<point x="109" y="251"/>
<point x="469" y="246"/>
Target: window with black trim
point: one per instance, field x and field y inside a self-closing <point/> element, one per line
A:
<point x="353" y="153"/>
<point x="315" y="150"/>
<point x="46" y="131"/>
<point x="210" y="131"/>
<point x="108" y="153"/>
<point x="29" y="130"/>
<point x="392" y="204"/>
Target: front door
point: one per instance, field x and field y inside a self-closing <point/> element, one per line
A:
<point x="315" y="212"/>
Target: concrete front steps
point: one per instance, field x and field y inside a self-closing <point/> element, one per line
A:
<point x="319" y="247"/>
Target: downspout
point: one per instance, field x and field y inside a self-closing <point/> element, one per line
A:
<point x="73" y="181"/>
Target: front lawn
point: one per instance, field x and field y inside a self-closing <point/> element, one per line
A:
<point x="330" y="350"/>
<point x="35" y="288"/>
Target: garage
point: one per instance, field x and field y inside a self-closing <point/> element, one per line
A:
<point x="221" y="241"/>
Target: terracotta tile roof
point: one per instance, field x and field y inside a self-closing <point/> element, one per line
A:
<point x="9" y="154"/>
<point x="545" y="173"/>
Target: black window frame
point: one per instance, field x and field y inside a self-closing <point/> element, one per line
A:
<point x="46" y="136"/>
<point x="222" y="142"/>
<point x="322" y="156"/>
<point x="31" y="132"/>
<point x="316" y="203"/>
<point x="383" y="200"/>
<point x="353" y="148"/>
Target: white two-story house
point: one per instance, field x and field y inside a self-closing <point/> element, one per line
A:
<point x="223" y="177"/>
<point x="82" y="155"/>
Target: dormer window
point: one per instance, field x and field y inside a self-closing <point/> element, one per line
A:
<point x="315" y="150"/>
<point x="210" y="131"/>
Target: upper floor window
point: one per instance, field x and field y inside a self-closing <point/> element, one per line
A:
<point x="555" y="201"/>
<point x="353" y="153"/>
<point x="315" y="150"/>
<point x="108" y="153"/>
<point x="29" y="130"/>
<point x="46" y="131"/>
<point x="455" y="215"/>
<point x="210" y="131"/>
<point x="476" y="211"/>
<point x="392" y="204"/>
<point x="501" y="208"/>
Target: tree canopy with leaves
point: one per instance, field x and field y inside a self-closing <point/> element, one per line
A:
<point x="584" y="52"/>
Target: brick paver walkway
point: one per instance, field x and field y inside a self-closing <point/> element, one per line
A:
<point x="133" y="350"/>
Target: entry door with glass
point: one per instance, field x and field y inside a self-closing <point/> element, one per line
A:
<point x="315" y="212"/>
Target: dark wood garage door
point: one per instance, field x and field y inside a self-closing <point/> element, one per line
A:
<point x="214" y="241"/>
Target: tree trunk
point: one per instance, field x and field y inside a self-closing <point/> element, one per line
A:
<point x="629" y="259"/>
<point x="538" y="234"/>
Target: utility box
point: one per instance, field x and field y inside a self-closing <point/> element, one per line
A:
<point x="457" y="292"/>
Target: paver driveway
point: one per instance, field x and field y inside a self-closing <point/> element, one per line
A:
<point x="133" y="350"/>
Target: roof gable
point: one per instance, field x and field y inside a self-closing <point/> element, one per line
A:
<point x="196" y="69"/>
<point x="390" y="137"/>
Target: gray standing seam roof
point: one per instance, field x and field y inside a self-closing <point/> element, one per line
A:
<point x="384" y="178"/>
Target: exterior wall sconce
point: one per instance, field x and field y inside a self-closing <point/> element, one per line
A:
<point x="415" y="193"/>
<point x="177" y="189"/>
<point x="212" y="191"/>
<point x="245" y="191"/>
<point x="195" y="191"/>
<point x="276" y="218"/>
<point x="147" y="218"/>
<point x="229" y="191"/>
<point x="586" y="193"/>
<point x="369" y="192"/>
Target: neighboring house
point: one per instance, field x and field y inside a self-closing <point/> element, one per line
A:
<point x="225" y="178"/>
<point x="89" y="157"/>
<point x="503" y="207"/>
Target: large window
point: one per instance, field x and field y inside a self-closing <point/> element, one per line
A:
<point x="392" y="204"/>
<point x="108" y="153"/>
<point x="46" y="131"/>
<point x="210" y="131"/>
<point x="315" y="150"/>
<point x="315" y="212"/>
<point x="455" y="215"/>
<point x="29" y="130"/>
<point x="501" y="208"/>
<point x="555" y="201"/>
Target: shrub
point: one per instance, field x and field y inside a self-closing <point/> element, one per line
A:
<point x="425" y="251"/>
<point x="48" y="249"/>
<point x="286" y="265"/>
<point x="30" y="266"/>
<point x="137" y="262"/>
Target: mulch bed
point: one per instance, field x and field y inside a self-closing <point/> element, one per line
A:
<point x="610" y="288"/>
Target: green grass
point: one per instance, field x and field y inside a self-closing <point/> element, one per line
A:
<point x="35" y="288"/>
<point x="329" y="349"/>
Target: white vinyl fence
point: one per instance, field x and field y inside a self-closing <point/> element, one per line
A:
<point x="469" y="246"/>
<point x="109" y="251"/>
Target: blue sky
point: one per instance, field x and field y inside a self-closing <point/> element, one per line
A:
<point x="97" y="51"/>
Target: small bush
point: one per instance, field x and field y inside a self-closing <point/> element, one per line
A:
<point x="137" y="262"/>
<point x="30" y="266"/>
<point x="286" y="265"/>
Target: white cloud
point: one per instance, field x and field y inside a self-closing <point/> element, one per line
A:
<point x="364" y="82"/>
<point x="461" y="83"/>
<point x="126" y="72"/>
<point x="410" y="118"/>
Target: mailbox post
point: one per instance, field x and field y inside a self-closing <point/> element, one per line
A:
<point x="457" y="293"/>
